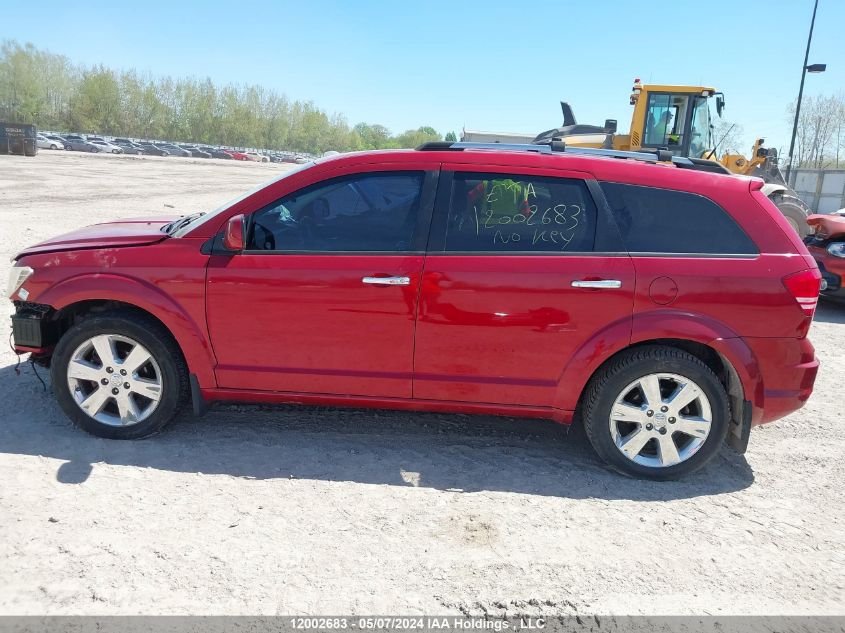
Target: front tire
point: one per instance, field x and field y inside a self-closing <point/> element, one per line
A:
<point x="119" y="375"/>
<point x="656" y="412"/>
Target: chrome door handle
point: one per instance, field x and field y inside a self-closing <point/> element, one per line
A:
<point x="599" y="283"/>
<point x="387" y="281"/>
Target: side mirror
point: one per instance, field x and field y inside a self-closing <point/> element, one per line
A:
<point x="610" y="126"/>
<point x="233" y="238"/>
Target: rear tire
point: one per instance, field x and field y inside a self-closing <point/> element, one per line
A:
<point x="668" y="443"/>
<point x="82" y="378"/>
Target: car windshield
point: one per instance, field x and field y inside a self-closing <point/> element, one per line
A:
<point x="205" y="217"/>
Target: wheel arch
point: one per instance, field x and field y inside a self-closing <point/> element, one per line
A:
<point x="734" y="365"/>
<point x="667" y="326"/>
<point x="78" y="297"/>
<point x="708" y="339"/>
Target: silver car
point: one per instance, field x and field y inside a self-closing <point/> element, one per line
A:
<point x="105" y="146"/>
<point x="45" y="142"/>
<point x="128" y="146"/>
<point x="79" y="144"/>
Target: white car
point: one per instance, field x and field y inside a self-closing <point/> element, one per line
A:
<point x="258" y="158"/>
<point x="105" y="146"/>
<point x="45" y="143"/>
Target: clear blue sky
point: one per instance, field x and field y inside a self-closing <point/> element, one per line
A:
<point x="491" y="65"/>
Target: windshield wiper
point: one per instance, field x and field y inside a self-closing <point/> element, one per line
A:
<point x="174" y="226"/>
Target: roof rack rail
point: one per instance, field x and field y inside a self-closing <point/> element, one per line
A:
<point x="648" y="156"/>
<point x="462" y="145"/>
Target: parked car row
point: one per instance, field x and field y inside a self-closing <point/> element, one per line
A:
<point x="94" y="144"/>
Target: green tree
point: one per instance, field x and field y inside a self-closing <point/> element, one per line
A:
<point x="413" y="138"/>
<point x="22" y="96"/>
<point x="450" y="137"/>
<point x="96" y="106"/>
<point x="373" y="136"/>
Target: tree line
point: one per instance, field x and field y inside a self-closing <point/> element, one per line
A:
<point x="820" y="140"/>
<point x="47" y="89"/>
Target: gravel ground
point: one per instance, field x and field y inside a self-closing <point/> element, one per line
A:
<point x="254" y="510"/>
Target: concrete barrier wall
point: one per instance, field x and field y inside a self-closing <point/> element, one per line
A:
<point x="822" y="189"/>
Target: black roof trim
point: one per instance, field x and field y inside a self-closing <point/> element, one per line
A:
<point x="558" y="146"/>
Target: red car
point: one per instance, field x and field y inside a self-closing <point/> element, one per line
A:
<point x="668" y="306"/>
<point x="827" y="246"/>
<point x="236" y="155"/>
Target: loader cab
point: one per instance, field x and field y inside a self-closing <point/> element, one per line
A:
<point x="676" y="120"/>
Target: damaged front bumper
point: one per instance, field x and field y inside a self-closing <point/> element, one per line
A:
<point x="33" y="327"/>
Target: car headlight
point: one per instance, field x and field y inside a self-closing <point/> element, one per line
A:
<point x="837" y="249"/>
<point x="17" y="276"/>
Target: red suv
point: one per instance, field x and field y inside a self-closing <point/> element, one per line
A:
<point x="666" y="305"/>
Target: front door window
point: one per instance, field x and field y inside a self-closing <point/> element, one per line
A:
<point x="374" y="212"/>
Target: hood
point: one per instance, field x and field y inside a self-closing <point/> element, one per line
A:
<point x="827" y="226"/>
<point x="128" y="232"/>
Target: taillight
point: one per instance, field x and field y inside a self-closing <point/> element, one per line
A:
<point x="804" y="287"/>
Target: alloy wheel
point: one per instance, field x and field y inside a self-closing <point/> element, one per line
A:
<point x="660" y="420"/>
<point x="114" y="380"/>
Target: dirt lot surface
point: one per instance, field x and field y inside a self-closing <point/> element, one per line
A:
<point x="302" y="511"/>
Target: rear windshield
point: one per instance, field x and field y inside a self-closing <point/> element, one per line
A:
<point x="662" y="221"/>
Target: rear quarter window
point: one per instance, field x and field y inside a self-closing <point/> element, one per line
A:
<point x="663" y="221"/>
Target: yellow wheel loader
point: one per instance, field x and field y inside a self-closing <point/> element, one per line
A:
<point x="677" y="119"/>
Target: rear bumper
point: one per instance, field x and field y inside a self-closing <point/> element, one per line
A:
<point x="788" y="369"/>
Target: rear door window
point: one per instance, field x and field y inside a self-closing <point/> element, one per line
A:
<point x="504" y="213"/>
<point x="662" y="221"/>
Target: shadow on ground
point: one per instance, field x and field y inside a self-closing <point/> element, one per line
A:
<point x="445" y="452"/>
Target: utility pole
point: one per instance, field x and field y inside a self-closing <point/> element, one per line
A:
<point x="813" y="68"/>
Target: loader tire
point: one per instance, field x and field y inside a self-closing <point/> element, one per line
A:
<point x="795" y="213"/>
